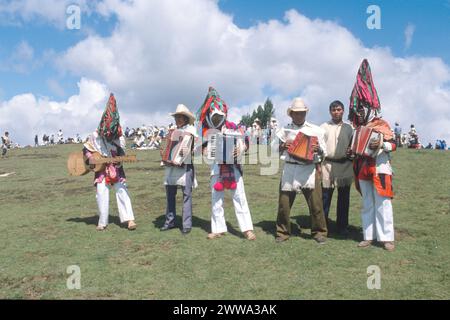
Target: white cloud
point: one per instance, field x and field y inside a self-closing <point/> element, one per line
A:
<point x="26" y="115"/>
<point x="21" y="59"/>
<point x="19" y="12"/>
<point x="409" y="33"/>
<point x="166" y="52"/>
<point x="56" y="87"/>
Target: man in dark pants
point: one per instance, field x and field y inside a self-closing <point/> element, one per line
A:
<point x="337" y="170"/>
<point x="181" y="176"/>
<point x="171" y="191"/>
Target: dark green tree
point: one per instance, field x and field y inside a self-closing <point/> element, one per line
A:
<point x="262" y="113"/>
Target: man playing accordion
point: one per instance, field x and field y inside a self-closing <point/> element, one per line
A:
<point x="373" y="174"/>
<point x="300" y="175"/>
<point x="183" y="175"/>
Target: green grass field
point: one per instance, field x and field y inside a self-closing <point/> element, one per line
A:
<point x="48" y="223"/>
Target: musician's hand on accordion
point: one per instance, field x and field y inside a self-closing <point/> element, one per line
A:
<point x="374" y="144"/>
<point x="315" y="147"/>
<point x="184" y="151"/>
<point x="350" y="154"/>
<point x="236" y="153"/>
<point x="286" y="145"/>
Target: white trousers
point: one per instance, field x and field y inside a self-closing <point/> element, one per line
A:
<point x="241" y="209"/>
<point x="376" y="214"/>
<point x="123" y="203"/>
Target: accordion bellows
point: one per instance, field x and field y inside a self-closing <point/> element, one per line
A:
<point x="361" y="140"/>
<point x="221" y="146"/>
<point x="176" y="141"/>
<point x="301" y="148"/>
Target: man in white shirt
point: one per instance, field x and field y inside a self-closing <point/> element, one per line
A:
<point x="181" y="176"/>
<point x="300" y="176"/>
<point x="337" y="169"/>
<point x="213" y="119"/>
<point x="60" y="136"/>
<point x="6" y="143"/>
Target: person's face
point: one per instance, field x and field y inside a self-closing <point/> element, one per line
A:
<point x="180" y="120"/>
<point x="361" y="115"/>
<point x="216" y="119"/>
<point x="298" y="117"/>
<point x="337" y="112"/>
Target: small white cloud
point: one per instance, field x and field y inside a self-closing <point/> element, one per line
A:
<point x="24" y="51"/>
<point x="20" y="12"/>
<point x="21" y="59"/>
<point x="25" y="115"/>
<point x="409" y="33"/>
<point x="56" y="88"/>
<point x="152" y="64"/>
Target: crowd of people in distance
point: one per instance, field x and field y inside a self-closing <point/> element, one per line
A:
<point x="411" y="139"/>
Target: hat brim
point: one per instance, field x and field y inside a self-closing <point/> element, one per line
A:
<point x="290" y="109"/>
<point x="190" y="116"/>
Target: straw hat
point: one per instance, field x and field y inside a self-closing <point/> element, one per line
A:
<point x="183" y="110"/>
<point x="297" y="105"/>
<point x="257" y="120"/>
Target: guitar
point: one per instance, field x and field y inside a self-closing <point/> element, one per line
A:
<point x="78" y="164"/>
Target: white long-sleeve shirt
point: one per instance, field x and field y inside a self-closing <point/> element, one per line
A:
<point x="177" y="175"/>
<point x="296" y="174"/>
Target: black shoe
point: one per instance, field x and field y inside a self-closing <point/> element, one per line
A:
<point x="185" y="231"/>
<point x="166" y="227"/>
<point x="343" y="232"/>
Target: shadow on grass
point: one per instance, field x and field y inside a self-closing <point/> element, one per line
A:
<point x="94" y="220"/>
<point x="196" y="223"/>
<point x="302" y="222"/>
<point x="270" y="228"/>
<point x="354" y="233"/>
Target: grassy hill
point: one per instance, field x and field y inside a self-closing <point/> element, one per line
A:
<point x="49" y="218"/>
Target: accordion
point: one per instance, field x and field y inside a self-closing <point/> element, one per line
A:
<point x="175" y="142"/>
<point x="301" y="148"/>
<point x="361" y="140"/>
<point x="221" y="146"/>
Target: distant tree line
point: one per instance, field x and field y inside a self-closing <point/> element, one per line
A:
<point x="262" y="113"/>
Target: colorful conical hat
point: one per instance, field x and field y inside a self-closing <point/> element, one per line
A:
<point x="109" y="126"/>
<point x="364" y="92"/>
<point x="212" y="104"/>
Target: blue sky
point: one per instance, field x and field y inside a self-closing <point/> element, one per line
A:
<point x="133" y="49"/>
<point x="45" y="38"/>
<point x="431" y="20"/>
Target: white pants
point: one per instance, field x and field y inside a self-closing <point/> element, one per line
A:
<point x="376" y="214"/>
<point x="123" y="203"/>
<point x="241" y="209"/>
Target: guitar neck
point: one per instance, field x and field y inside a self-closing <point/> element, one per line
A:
<point x="115" y="159"/>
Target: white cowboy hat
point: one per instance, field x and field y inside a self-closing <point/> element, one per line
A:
<point x="297" y="105"/>
<point x="182" y="109"/>
<point x="257" y="120"/>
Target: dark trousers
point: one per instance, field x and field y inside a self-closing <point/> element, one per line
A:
<point x="343" y="203"/>
<point x="171" y="193"/>
<point x="313" y="198"/>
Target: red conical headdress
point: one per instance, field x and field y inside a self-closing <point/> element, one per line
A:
<point x="109" y="126"/>
<point x="364" y="93"/>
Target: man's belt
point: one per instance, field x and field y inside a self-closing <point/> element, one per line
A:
<point x="299" y="163"/>
<point x="341" y="160"/>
